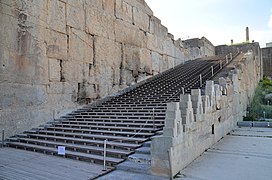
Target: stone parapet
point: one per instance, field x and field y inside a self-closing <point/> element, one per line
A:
<point x="205" y="118"/>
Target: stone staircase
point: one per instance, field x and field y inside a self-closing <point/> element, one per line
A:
<point x="126" y="120"/>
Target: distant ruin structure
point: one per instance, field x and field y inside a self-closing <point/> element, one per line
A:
<point x="247" y="34"/>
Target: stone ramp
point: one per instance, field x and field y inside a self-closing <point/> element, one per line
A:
<point x="126" y="120"/>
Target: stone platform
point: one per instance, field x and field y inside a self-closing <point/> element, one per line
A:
<point x="25" y="165"/>
<point x="244" y="154"/>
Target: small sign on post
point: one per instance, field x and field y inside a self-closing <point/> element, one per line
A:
<point x="61" y="150"/>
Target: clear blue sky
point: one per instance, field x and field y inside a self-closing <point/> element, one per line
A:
<point x="218" y="20"/>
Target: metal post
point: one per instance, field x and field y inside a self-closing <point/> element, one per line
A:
<point x="231" y="56"/>
<point x="104" y="155"/>
<point x="220" y="64"/>
<point x="3" y="137"/>
<point x="200" y="80"/>
<point x="182" y="89"/>
<point x="153" y="117"/>
<point x="212" y="70"/>
<point x="227" y="58"/>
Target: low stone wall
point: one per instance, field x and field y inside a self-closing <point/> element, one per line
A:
<point x="199" y="47"/>
<point x="198" y="121"/>
<point x="225" y="49"/>
<point x="57" y="54"/>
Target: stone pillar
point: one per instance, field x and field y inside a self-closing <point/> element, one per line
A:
<point x="186" y="109"/>
<point x="197" y="104"/>
<point x="172" y="136"/>
<point x="209" y="90"/>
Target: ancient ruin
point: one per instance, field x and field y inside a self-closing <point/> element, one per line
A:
<point x="77" y="73"/>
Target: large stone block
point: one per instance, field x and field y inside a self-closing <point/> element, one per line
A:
<point x="123" y="11"/>
<point x="137" y="59"/>
<point x="140" y="19"/>
<point x="61" y="88"/>
<point x="141" y="4"/>
<point x="127" y="77"/>
<point x="155" y="43"/>
<point x="169" y="47"/>
<point x="72" y="71"/>
<point x="107" y="52"/>
<point x="99" y="23"/>
<point x="57" y="15"/>
<point x="21" y="95"/>
<point x="93" y="4"/>
<point x="80" y="46"/>
<point x="87" y="91"/>
<point x="129" y="34"/>
<point x="56" y="45"/>
<point x="164" y="65"/>
<point x="54" y="70"/>
<point x="156" y="59"/>
<point x="107" y="64"/>
<point x="76" y="15"/>
<point x="109" y="6"/>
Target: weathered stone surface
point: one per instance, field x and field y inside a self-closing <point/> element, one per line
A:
<point x="76" y="15"/>
<point x="109" y="7"/>
<point x="57" y="15"/>
<point x="137" y="59"/>
<point x="107" y="63"/>
<point x="61" y="88"/>
<point x="123" y="11"/>
<point x="154" y="43"/>
<point x="99" y="23"/>
<point x="54" y="70"/>
<point x="129" y="34"/>
<point x="127" y="77"/>
<point x="56" y="45"/>
<point x="140" y="19"/>
<point x="80" y="46"/>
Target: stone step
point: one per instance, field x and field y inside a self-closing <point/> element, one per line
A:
<point x="102" y="114"/>
<point x="143" y="150"/>
<point x="119" y="116"/>
<point x="110" y="124"/>
<point x="147" y="144"/>
<point x="125" y="111"/>
<point x="140" y="158"/>
<point x="125" y="120"/>
<point x="135" y="121"/>
<point x="101" y="132"/>
<point x="136" y="140"/>
<point x="76" y="147"/>
<point x="68" y="154"/>
<point x="99" y="143"/>
<point x="134" y="167"/>
<point x="104" y="127"/>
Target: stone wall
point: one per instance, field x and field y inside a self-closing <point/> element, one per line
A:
<point x="225" y="49"/>
<point x="198" y="121"/>
<point x="57" y="54"/>
<point x="267" y="61"/>
<point x="199" y="47"/>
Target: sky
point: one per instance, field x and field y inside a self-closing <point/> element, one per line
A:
<point x="217" y="20"/>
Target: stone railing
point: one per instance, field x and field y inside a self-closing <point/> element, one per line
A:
<point x="198" y="121"/>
